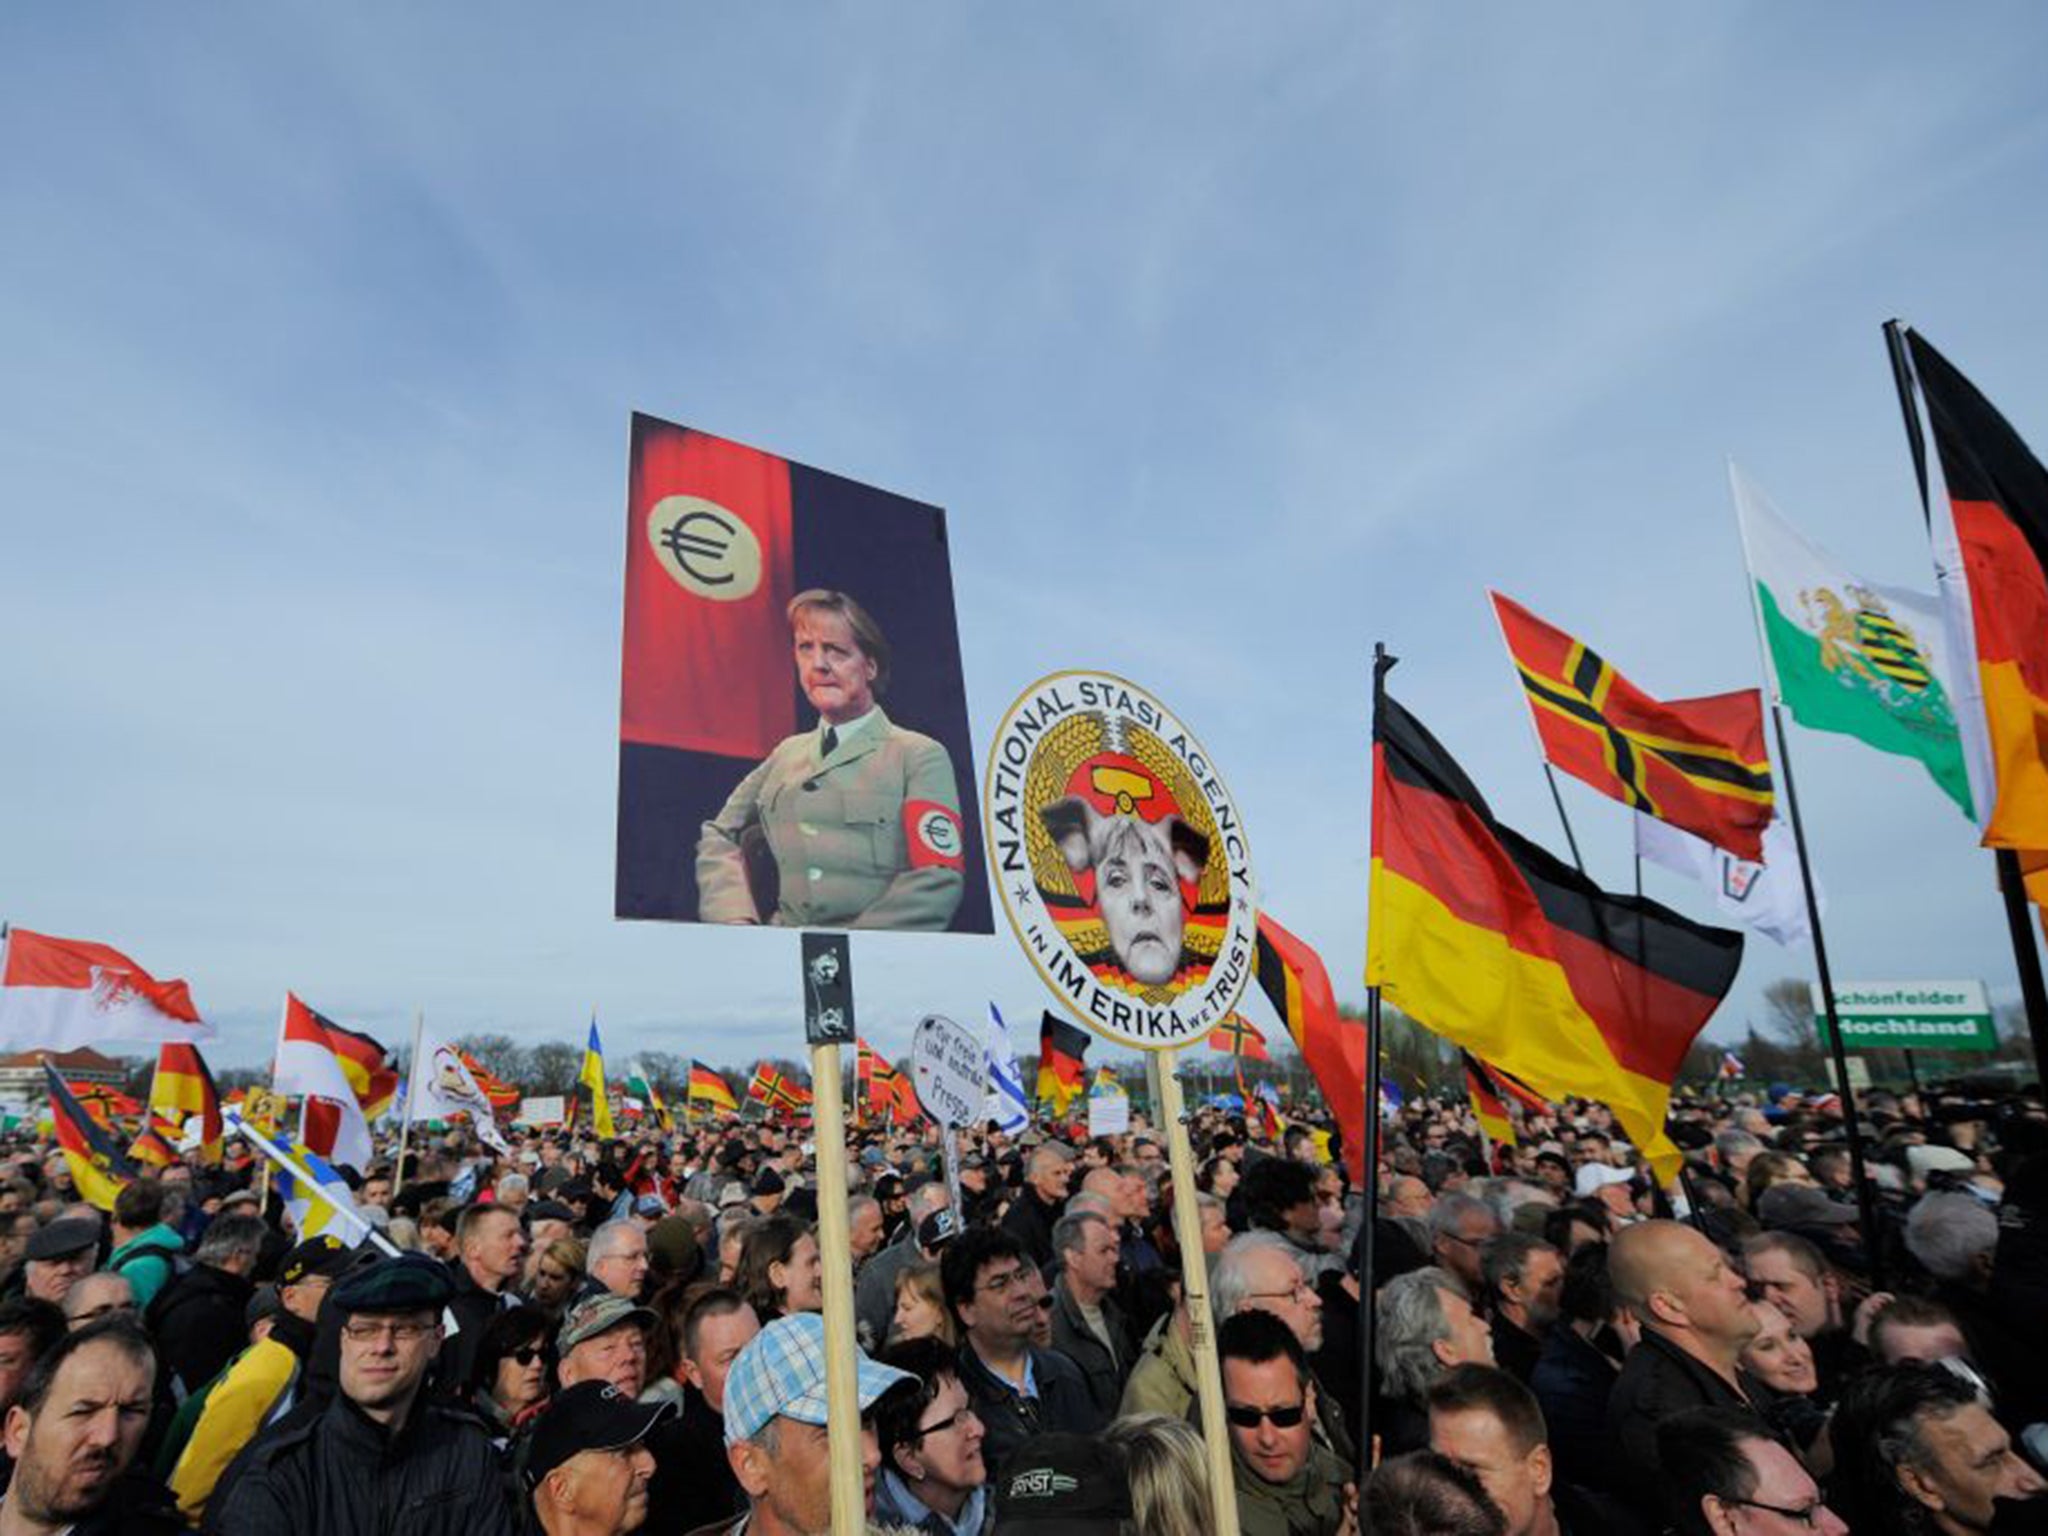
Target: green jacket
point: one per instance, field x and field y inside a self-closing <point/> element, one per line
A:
<point x="869" y="838"/>
<point x="147" y="1260"/>
<point x="1163" y="1380"/>
<point x="1310" y="1504"/>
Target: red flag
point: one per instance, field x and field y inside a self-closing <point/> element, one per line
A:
<point x="1294" y="981"/>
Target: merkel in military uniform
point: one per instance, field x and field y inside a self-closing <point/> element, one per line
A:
<point x="855" y="824"/>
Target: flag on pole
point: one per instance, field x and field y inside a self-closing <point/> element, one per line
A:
<point x="641" y="1087"/>
<point x="1239" y="1036"/>
<point x="333" y="1068"/>
<point x="1769" y="897"/>
<point x="1699" y="763"/>
<point x="311" y="1213"/>
<point x="59" y="994"/>
<point x="1731" y="1065"/>
<point x="98" y="1166"/>
<point x="1062" y="1065"/>
<point x="1991" y="557"/>
<point x="182" y="1088"/>
<point x="775" y="1092"/>
<point x="1481" y="936"/>
<point x="1489" y="1105"/>
<point x="1297" y="984"/>
<point x="503" y="1095"/>
<point x="153" y="1146"/>
<point x="707" y="1087"/>
<point x="1006" y="1104"/>
<point x="443" y="1086"/>
<point x="1848" y="655"/>
<point x="592" y="1079"/>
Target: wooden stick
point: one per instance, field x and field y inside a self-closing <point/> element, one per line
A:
<point x="835" y="1246"/>
<point x="1194" y="1290"/>
<point x="412" y="1085"/>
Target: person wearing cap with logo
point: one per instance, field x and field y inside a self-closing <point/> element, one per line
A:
<point x="589" y="1464"/>
<point x="860" y="817"/>
<point x="259" y="1384"/>
<point x="383" y="1455"/>
<point x="603" y="1339"/>
<point x="1064" y="1485"/>
<point x="775" y="1435"/>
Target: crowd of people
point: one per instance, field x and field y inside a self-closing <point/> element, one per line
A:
<point x="600" y="1337"/>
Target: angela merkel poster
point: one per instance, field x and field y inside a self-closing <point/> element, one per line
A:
<point x="793" y="746"/>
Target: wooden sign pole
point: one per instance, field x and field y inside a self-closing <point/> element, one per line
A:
<point x="1194" y="1283"/>
<point x="842" y="1396"/>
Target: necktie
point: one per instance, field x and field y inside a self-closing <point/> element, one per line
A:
<point x="831" y="741"/>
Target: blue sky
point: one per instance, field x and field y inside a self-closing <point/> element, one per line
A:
<point x="1233" y="339"/>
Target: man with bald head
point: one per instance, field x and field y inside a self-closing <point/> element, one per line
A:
<point x="1695" y="1315"/>
<point x="1041" y="1201"/>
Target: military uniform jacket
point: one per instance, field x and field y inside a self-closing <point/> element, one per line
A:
<point x="867" y="838"/>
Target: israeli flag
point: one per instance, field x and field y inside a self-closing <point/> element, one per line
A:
<point x="1006" y="1104"/>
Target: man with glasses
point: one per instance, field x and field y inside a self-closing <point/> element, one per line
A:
<point x="1728" y="1478"/>
<point x="1287" y="1484"/>
<point x="1018" y="1388"/>
<point x="933" y="1473"/>
<point x="383" y="1455"/>
<point x="1460" y="1227"/>
<point x="1262" y="1272"/>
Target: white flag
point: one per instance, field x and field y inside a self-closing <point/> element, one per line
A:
<point x="1769" y="897"/>
<point x="1005" y="1104"/>
<point x="443" y="1086"/>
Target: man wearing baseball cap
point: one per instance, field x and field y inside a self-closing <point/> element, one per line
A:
<point x="589" y="1464"/>
<point x="383" y="1455"/>
<point x="775" y="1435"/>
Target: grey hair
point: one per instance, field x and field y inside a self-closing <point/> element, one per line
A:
<point x="1230" y="1283"/>
<point x="1411" y="1319"/>
<point x="1445" y="1214"/>
<point x="1204" y="1201"/>
<point x="1070" y="1232"/>
<point x="513" y="1184"/>
<point x="1947" y="1230"/>
<point x="927" y="1200"/>
<point x="857" y="1203"/>
<point x="229" y="1238"/>
<point x="605" y="1240"/>
<point x="1731" y="1143"/>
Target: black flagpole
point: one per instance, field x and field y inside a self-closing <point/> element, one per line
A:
<point x="1368" y="1312"/>
<point x="1866" y="1204"/>
<point x="2011" y="881"/>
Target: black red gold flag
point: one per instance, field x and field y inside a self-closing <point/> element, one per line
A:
<point x="98" y="1166"/>
<point x="1297" y="984"/>
<point x="1062" y="1053"/>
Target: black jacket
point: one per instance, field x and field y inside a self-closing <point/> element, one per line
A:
<point x="1103" y="1371"/>
<point x="1029" y="1219"/>
<point x="1657" y="1380"/>
<point x="137" y="1505"/>
<point x="340" y="1473"/>
<point x="696" y="1463"/>
<point x="1572" y="1381"/>
<point x="200" y="1322"/>
<point x="1515" y="1349"/>
<point x="1010" y="1418"/>
<point x="474" y="1307"/>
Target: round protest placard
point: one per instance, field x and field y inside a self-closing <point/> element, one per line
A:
<point x="1120" y="859"/>
<point x="948" y="1069"/>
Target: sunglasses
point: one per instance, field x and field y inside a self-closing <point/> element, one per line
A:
<point x="528" y="1355"/>
<point x="1245" y="1417"/>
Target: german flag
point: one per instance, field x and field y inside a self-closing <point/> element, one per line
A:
<point x="183" y="1088"/>
<point x="98" y="1166"/>
<point x="707" y="1087"/>
<point x="1062" y="1062"/>
<point x="1239" y="1036"/>
<point x="1998" y="500"/>
<point x="1488" y="1105"/>
<point x="1699" y="764"/>
<point x="154" y="1146"/>
<point x="1297" y="984"/>
<point x="1480" y="935"/>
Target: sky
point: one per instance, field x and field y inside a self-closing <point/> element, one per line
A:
<point x="1234" y="339"/>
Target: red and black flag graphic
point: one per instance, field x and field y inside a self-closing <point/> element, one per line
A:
<point x="1998" y="500"/>
<point x="1062" y="1069"/>
<point x="1699" y="764"/>
<point x="1482" y="936"/>
<point x="1297" y="984"/>
<point x="1239" y="1036"/>
<point x="719" y="538"/>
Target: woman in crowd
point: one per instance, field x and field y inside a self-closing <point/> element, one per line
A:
<point x="1783" y="1362"/>
<point x="779" y="1270"/>
<point x="515" y="1368"/>
<point x="932" y="1473"/>
<point x="558" y="1273"/>
<point x="921" y="1306"/>
<point x="1169" y="1474"/>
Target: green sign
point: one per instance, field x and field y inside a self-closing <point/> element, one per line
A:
<point x="1910" y="1016"/>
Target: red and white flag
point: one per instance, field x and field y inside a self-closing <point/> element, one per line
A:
<point x="310" y="1061"/>
<point x="65" y="993"/>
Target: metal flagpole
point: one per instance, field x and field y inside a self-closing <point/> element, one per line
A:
<point x="235" y="1124"/>
<point x="1368" y="1234"/>
<point x="1866" y="1205"/>
<point x="2011" y="878"/>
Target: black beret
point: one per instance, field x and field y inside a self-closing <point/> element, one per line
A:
<point x="411" y="1282"/>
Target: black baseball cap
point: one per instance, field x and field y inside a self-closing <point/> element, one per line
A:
<point x="590" y="1416"/>
<point x="324" y="1255"/>
<point x="1063" y="1485"/>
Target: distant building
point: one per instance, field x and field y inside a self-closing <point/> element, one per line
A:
<point x="21" y="1075"/>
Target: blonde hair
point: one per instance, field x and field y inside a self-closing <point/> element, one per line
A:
<point x="922" y="1276"/>
<point x="867" y="634"/>
<point x="1169" y="1473"/>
